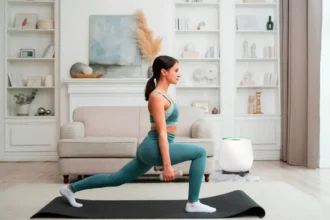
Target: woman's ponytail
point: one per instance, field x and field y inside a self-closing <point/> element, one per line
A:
<point x="149" y="88"/>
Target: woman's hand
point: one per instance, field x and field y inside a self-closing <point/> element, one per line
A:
<point x="169" y="173"/>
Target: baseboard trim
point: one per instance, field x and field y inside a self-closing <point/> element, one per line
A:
<point x="28" y="158"/>
<point x="324" y="164"/>
<point x="267" y="155"/>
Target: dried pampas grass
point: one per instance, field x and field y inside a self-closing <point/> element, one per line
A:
<point x="149" y="46"/>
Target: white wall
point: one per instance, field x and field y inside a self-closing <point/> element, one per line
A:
<point x="325" y="89"/>
<point x="2" y="83"/>
<point x="74" y="33"/>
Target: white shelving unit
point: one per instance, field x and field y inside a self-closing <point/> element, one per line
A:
<point x="263" y="129"/>
<point x="33" y="136"/>
<point x="227" y="93"/>
<point x="265" y="67"/>
<point x="188" y="16"/>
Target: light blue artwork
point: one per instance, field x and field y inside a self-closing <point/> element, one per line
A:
<point x="112" y="41"/>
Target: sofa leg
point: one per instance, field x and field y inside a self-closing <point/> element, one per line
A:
<point x="207" y="177"/>
<point x="66" y="179"/>
<point x="79" y="177"/>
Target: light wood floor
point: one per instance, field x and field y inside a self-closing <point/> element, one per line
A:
<point x="313" y="182"/>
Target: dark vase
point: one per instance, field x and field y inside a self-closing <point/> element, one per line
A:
<point x="270" y="23"/>
<point x="215" y="111"/>
<point x="150" y="73"/>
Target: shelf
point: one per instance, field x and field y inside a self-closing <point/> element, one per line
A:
<point x="252" y="5"/>
<point x="30" y="59"/>
<point x="256" y="59"/>
<point x="25" y="87"/>
<point x="34" y="118"/>
<point x="197" y="31"/>
<point x="31" y="1"/>
<point x="198" y="87"/>
<point x="199" y="59"/>
<point x="257" y="116"/>
<point x="256" y="32"/>
<point x="17" y="30"/>
<point x="209" y="4"/>
<point x="257" y="87"/>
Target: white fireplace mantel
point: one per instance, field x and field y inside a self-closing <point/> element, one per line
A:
<point x="105" y="92"/>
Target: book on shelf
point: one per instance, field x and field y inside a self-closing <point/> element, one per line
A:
<point x="49" y="52"/>
<point x="15" y="80"/>
<point x="270" y="79"/>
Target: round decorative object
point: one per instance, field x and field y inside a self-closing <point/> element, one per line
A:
<point x="199" y="74"/>
<point x="215" y="111"/>
<point x="235" y="154"/>
<point x="189" y="47"/>
<point x="41" y="111"/>
<point x="211" y="72"/>
<point x="48" y="112"/>
<point x="87" y="70"/>
<point x="77" y="68"/>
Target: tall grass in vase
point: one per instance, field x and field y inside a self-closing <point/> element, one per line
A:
<point x="149" y="46"/>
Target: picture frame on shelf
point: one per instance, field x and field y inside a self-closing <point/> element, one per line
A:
<point x="27" y="53"/>
<point x="26" y="21"/>
<point x="204" y="104"/>
<point x="34" y="81"/>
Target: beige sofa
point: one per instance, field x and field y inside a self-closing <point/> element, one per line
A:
<point x="102" y="139"/>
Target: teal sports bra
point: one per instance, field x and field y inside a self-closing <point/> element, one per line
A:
<point x="171" y="114"/>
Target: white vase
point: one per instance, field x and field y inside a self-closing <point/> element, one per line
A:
<point x="49" y="81"/>
<point x="22" y="110"/>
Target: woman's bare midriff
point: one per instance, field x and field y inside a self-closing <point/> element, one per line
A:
<point x="170" y="129"/>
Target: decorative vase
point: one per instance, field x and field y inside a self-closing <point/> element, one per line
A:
<point x="270" y="23"/>
<point x="150" y="72"/>
<point x="215" y="111"/>
<point x="22" y="109"/>
<point x="49" y="81"/>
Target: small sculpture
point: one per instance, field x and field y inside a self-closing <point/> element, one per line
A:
<point x="245" y="49"/>
<point x="251" y="108"/>
<point x="48" y="112"/>
<point x="253" y="51"/>
<point x="258" y="103"/>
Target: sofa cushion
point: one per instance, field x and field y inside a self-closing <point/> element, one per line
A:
<point x="207" y="144"/>
<point x="98" y="147"/>
<point x="105" y="121"/>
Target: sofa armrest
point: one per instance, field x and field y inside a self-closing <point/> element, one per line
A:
<point x="201" y="129"/>
<point x="72" y="130"/>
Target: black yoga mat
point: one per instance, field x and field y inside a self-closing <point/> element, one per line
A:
<point x="232" y="204"/>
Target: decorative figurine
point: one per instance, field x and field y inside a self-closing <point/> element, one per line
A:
<point x="251" y="108"/>
<point x="258" y="103"/>
<point x="245" y="49"/>
<point x="253" y="51"/>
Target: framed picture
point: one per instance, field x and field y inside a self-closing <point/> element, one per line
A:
<point x="204" y="104"/>
<point x="34" y="81"/>
<point x="25" y="53"/>
<point x="26" y="21"/>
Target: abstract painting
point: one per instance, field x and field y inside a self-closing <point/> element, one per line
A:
<point x="112" y="41"/>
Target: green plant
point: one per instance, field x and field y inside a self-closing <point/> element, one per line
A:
<point x="22" y="99"/>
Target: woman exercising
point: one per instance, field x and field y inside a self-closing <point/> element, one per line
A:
<point x="158" y="148"/>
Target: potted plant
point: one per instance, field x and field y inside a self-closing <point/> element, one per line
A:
<point x="23" y="103"/>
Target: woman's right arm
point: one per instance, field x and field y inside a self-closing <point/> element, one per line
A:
<point x="157" y="105"/>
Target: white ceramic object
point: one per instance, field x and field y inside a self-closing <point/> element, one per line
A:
<point x="22" y="110"/>
<point x="235" y="154"/>
<point x="49" y="81"/>
<point x="87" y="70"/>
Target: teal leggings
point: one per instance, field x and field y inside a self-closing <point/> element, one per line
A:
<point x="147" y="156"/>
